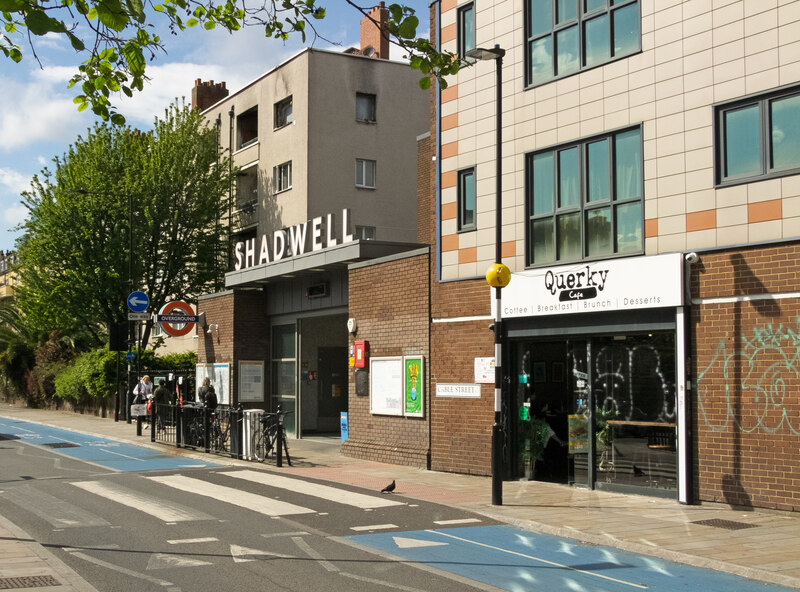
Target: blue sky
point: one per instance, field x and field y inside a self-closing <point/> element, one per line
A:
<point x="39" y="119"/>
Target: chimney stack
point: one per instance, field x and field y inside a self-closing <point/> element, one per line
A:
<point x="205" y="94"/>
<point x="375" y="37"/>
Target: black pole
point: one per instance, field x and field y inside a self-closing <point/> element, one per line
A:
<point x="118" y="393"/>
<point x="497" y="427"/>
<point x="131" y="335"/>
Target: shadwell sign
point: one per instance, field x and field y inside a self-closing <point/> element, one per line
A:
<point x="312" y="235"/>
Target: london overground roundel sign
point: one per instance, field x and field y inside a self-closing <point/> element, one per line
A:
<point x="177" y="318"/>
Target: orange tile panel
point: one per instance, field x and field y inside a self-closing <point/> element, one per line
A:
<point x="449" y="150"/>
<point x="449" y="33"/>
<point x="509" y="249"/>
<point x="449" y="179"/>
<point x="450" y="242"/>
<point x="764" y="211"/>
<point x="704" y="220"/>
<point x="651" y="228"/>
<point x="449" y="211"/>
<point x="450" y="93"/>
<point x="449" y="121"/>
<point x="448" y="5"/>
<point x="469" y="255"/>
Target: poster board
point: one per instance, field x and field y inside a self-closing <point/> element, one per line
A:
<point x="251" y="381"/>
<point x="220" y="375"/>
<point x="414" y="386"/>
<point x="386" y="386"/>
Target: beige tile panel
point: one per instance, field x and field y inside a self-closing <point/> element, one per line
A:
<point x="733" y="216"/>
<point x="701" y="239"/>
<point x="728" y="33"/>
<point x="704" y="199"/>
<point x="567" y="117"/>
<point x="732" y="235"/>
<point x="449" y="227"/>
<point x="669" y="88"/>
<point x="671" y="185"/>
<point x="758" y="23"/>
<point x="728" y="52"/>
<point x="591" y="109"/>
<point x="700" y="79"/>
<point x="670" y="125"/>
<point x="641" y="78"/>
<point x="449" y="258"/>
<point x="789" y="53"/>
<point x="641" y="61"/>
<point x="568" y="132"/>
<point x="758" y="62"/>
<point x="731" y="13"/>
<point x="649" y="147"/>
<point x="762" y="81"/>
<point x="729" y="71"/>
<point x="788" y="31"/>
<point x="699" y="24"/>
<point x="732" y="196"/>
<point x="698" y="61"/>
<point x="647" y="42"/>
<point x="615" y="71"/>
<point x="650" y="198"/>
<point x="547" y="123"/>
<point x="729" y="90"/>
<point x="672" y="242"/>
<point x="592" y="126"/>
<point x="697" y="181"/>
<point x="703" y="97"/>
<point x="669" y="105"/>
<point x="668" y="32"/>
<point x="702" y="158"/>
<point x="617" y="119"/>
<point x="788" y="11"/>
<point x="763" y="41"/>
<point x="790" y="187"/>
<point x="645" y="112"/>
<point x="674" y="164"/>
<point x="669" y="51"/>
<point x="791" y="227"/>
<point x="764" y="231"/>
<point x="651" y="168"/>
<point x="590" y="78"/>
<point x="669" y="70"/>
<point x="753" y="8"/>
<point x="642" y="96"/>
<point x="763" y="190"/>
<point x="790" y="73"/>
<point x="648" y="23"/>
<point x="670" y="207"/>
<point x="697" y="7"/>
<point x="701" y="117"/>
<point x="697" y="138"/>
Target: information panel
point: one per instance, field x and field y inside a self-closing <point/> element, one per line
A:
<point x="251" y="381"/>
<point x="220" y="375"/>
<point x="386" y="386"/>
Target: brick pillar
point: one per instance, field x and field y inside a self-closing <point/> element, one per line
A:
<point x="205" y="94"/>
<point x="375" y="33"/>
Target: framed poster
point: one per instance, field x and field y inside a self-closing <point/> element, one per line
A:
<point x="414" y="390"/>
<point x="251" y="381"/>
<point x="220" y="375"/>
<point x="386" y="386"/>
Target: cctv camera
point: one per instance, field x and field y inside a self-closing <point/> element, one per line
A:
<point x="691" y="258"/>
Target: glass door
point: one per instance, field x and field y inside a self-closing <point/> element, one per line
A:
<point x="284" y="374"/>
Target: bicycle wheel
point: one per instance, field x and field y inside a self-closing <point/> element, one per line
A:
<point x="259" y="445"/>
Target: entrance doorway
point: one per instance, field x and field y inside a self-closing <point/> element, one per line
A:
<point x="596" y="412"/>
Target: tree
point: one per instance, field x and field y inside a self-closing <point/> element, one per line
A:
<point x="74" y="252"/>
<point x="117" y="38"/>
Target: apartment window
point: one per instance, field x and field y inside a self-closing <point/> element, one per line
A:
<point x="566" y="36"/>
<point x="283" y="112"/>
<point x="758" y="137"/>
<point x="365" y="232"/>
<point x="466" y="29"/>
<point x="466" y="199"/>
<point x="365" y="107"/>
<point x="584" y="200"/>
<point x="247" y="128"/>
<point x="282" y="176"/>
<point x="365" y="173"/>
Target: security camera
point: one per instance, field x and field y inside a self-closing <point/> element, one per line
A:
<point x="691" y="258"/>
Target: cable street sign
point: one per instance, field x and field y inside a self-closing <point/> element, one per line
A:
<point x="179" y="322"/>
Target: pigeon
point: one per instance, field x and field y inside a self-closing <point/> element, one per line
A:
<point x="389" y="488"/>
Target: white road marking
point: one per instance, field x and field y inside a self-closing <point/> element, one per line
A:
<point x="191" y="541"/>
<point x="161" y="509"/>
<point x="57" y="512"/>
<point x="166" y="561"/>
<point x="128" y="572"/>
<point x="406" y="543"/>
<point x="374" y="527"/>
<point x="459" y="521"/>
<point x="229" y="495"/>
<point x="333" y="494"/>
<point x="380" y="582"/>
<point x="539" y="559"/>
<point x="314" y="555"/>
<point x="242" y="554"/>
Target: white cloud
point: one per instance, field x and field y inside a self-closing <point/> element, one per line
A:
<point x="15" y="215"/>
<point x="15" y="182"/>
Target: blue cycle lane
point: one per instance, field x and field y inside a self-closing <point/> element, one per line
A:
<point x="117" y="456"/>
<point x="517" y="560"/>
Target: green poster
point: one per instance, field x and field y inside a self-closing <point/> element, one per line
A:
<point x="413" y="386"/>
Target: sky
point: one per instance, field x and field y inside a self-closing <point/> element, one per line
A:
<point x="39" y="120"/>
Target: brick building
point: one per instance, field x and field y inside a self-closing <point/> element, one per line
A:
<point x="651" y="221"/>
<point x="325" y="150"/>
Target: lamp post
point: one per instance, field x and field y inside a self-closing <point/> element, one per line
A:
<point x="498" y="277"/>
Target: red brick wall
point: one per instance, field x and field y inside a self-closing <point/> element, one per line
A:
<point x="241" y="314"/>
<point x="746" y="409"/>
<point x="390" y="302"/>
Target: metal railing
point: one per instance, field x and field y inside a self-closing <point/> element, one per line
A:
<point x="193" y="425"/>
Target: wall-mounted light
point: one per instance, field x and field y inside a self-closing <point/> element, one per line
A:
<point x="214" y="327"/>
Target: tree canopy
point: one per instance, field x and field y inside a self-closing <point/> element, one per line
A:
<point x="171" y="183"/>
<point x="116" y="38"/>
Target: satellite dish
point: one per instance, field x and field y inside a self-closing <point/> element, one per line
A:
<point x="369" y="51"/>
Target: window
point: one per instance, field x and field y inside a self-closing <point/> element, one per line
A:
<point x="283" y="112"/>
<point x="282" y="176"/>
<point x="566" y="36"/>
<point x="466" y="199"/>
<point x="466" y="29"/>
<point x="758" y="137"/>
<point x="365" y="107"/>
<point x="247" y="128"/>
<point x="365" y="232"/>
<point x="584" y="200"/>
<point x="365" y="173"/>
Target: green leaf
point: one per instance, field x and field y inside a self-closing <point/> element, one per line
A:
<point x="117" y="119"/>
<point x="136" y="10"/>
<point x="408" y="28"/>
<point x="11" y="5"/>
<point x="83" y="106"/>
<point x="77" y="44"/>
<point x="208" y="25"/>
<point x="40" y="24"/>
<point x="425" y="83"/>
<point x="112" y="15"/>
<point x="192" y="22"/>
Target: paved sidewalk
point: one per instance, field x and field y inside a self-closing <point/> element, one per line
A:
<point x="762" y="545"/>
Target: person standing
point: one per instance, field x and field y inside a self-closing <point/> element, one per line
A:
<point x="143" y="390"/>
<point x="161" y="398"/>
<point x="207" y="394"/>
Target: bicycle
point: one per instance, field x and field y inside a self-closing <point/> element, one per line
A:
<point x="218" y="433"/>
<point x="265" y="439"/>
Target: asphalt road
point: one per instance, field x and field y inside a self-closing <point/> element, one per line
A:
<point x="128" y="518"/>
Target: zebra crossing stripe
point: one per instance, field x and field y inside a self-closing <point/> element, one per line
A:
<point x="161" y="509"/>
<point x="57" y="512"/>
<point x="243" y="499"/>
<point x="340" y="496"/>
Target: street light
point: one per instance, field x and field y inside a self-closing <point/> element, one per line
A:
<point x="498" y="277"/>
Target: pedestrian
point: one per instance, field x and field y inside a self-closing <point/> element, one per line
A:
<point x="161" y="397"/>
<point x="207" y="394"/>
<point x="143" y="390"/>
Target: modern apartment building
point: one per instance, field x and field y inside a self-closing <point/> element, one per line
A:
<point x="324" y="146"/>
<point x="650" y="209"/>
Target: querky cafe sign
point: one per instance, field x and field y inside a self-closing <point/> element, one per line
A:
<point x="318" y="233"/>
<point x="617" y="284"/>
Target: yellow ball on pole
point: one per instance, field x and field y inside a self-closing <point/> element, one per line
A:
<point x="498" y="275"/>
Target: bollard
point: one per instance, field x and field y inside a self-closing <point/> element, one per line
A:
<point x="153" y="421"/>
<point x="138" y="425"/>
<point x="279" y="443"/>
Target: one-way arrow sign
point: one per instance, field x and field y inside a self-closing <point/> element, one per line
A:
<point x="138" y="301"/>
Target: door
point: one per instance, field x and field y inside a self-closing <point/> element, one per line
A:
<point x="333" y="385"/>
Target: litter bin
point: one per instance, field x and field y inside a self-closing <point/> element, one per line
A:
<point x="251" y="424"/>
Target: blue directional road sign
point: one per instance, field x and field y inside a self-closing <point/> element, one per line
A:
<point x="131" y="356"/>
<point x="138" y="301"/>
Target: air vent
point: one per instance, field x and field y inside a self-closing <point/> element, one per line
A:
<point x="317" y="291"/>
